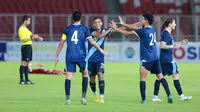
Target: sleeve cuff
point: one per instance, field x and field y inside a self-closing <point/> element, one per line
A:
<point x="89" y="37"/>
<point x="136" y="33"/>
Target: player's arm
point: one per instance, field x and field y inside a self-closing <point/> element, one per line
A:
<point x="123" y="31"/>
<point x="165" y="39"/>
<point x="114" y="27"/>
<point x="178" y="44"/>
<point x="134" y="26"/>
<point x="36" y="37"/>
<point x="93" y="43"/>
<point x="100" y="35"/>
<point x="163" y="45"/>
<point x="39" y="65"/>
<point x="60" y="46"/>
<point x="25" y="40"/>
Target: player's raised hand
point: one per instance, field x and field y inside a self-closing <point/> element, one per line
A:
<point x="120" y="20"/>
<point x="185" y="41"/>
<point x="103" y="52"/>
<point x="112" y="24"/>
<point x="177" y="45"/>
<point x="40" y="38"/>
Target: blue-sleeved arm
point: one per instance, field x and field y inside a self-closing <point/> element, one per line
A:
<point x="165" y="37"/>
<point x="139" y="32"/>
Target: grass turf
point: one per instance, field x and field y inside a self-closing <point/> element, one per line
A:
<point x="121" y="93"/>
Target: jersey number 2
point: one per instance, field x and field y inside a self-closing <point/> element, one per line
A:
<point x="75" y="37"/>
<point x="153" y="39"/>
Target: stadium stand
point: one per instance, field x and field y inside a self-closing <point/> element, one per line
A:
<point x="52" y="6"/>
<point x="129" y="7"/>
<point x="156" y="7"/>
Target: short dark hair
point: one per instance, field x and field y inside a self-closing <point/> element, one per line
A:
<point x="25" y="17"/>
<point x="76" y="16"/>
<point x="96" y="18"/>
<point x="149" y="18"/>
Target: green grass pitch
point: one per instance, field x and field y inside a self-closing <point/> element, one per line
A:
<point x="121" y="94"/>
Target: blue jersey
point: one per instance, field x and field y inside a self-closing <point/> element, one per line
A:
<point x="76" y="35"/>
<point x="166" y="55"/>
<point x="95" y="55"/>
<point x="148" y="49"/>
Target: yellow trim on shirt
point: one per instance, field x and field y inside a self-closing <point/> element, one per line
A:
<point x="64" y="37"/>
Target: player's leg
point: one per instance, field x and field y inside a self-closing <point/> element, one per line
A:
<point x="165" y="70"/>
<point x="21" y="71"/>
<point x="101" y="86"/>
<point x="83" y="68"/>
<point x="177" y="84"/>
<point x="100" y="69"/>
<point x="71" y="70"/>
<point x="92" y="73"/>
<point x="93" y="87"/>
<point x="156" y="69"/>
<point x="28" y="51"/>
<point x="143" y="74"/>
<point x="24" y="64"/>
<point x="156" y="91"/>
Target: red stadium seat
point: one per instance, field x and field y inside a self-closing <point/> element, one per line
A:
<point x="151" y="7"/>
<point x="52" y="6"/>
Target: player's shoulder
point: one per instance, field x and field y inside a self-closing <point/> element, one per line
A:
<point x="79" y="25"/>
<point x="149" y="28"/>
<point x="164" y="33"/>
<point x="67" y="28"/>
<point x="82" y="27"/>
<point x="21" y="28"/>
<point x="92" y="30"/>
<point x="104" y="29"/>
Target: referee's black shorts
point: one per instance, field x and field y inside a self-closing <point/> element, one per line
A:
<point x="26" y="52"/>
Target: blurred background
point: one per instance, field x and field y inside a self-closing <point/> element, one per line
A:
<point x="49" y="17"/>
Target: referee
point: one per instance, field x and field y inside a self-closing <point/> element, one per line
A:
<point x="26" y="37"/>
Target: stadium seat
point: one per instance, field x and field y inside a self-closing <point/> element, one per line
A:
<point x="156" y="7"/>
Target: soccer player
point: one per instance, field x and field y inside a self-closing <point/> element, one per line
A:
<point x="168" y="65"/>
<point x="75" y="36"/>
<point x="148" y="52"/>
<point x="96" y="58"/>
<point x="26" y="37"/>
<point x="39" y="69"/>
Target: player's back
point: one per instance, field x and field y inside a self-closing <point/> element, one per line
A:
<point x="166" y="55"/>
<point x="76" y="35"/>
<point x="148" y="49"/>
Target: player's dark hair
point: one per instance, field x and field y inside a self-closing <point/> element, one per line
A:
<point x="25" y="17"/>
<point x="149" y="18"/>
<point x="166" y="23"/>
<point x="96" y="18"/>
<point x="76" y="16"/>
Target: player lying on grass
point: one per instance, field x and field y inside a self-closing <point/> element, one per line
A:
<point x="148" y="52"/>
<point x="168" y="65"/>
<point x="39" y="69"/>
<point x="96" y="58"/>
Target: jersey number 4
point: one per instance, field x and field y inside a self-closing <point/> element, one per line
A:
<point x="75" y="37"/>
<point x="153" y="39"/>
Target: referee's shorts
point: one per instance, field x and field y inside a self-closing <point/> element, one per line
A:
<point x="26" y="53"/>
